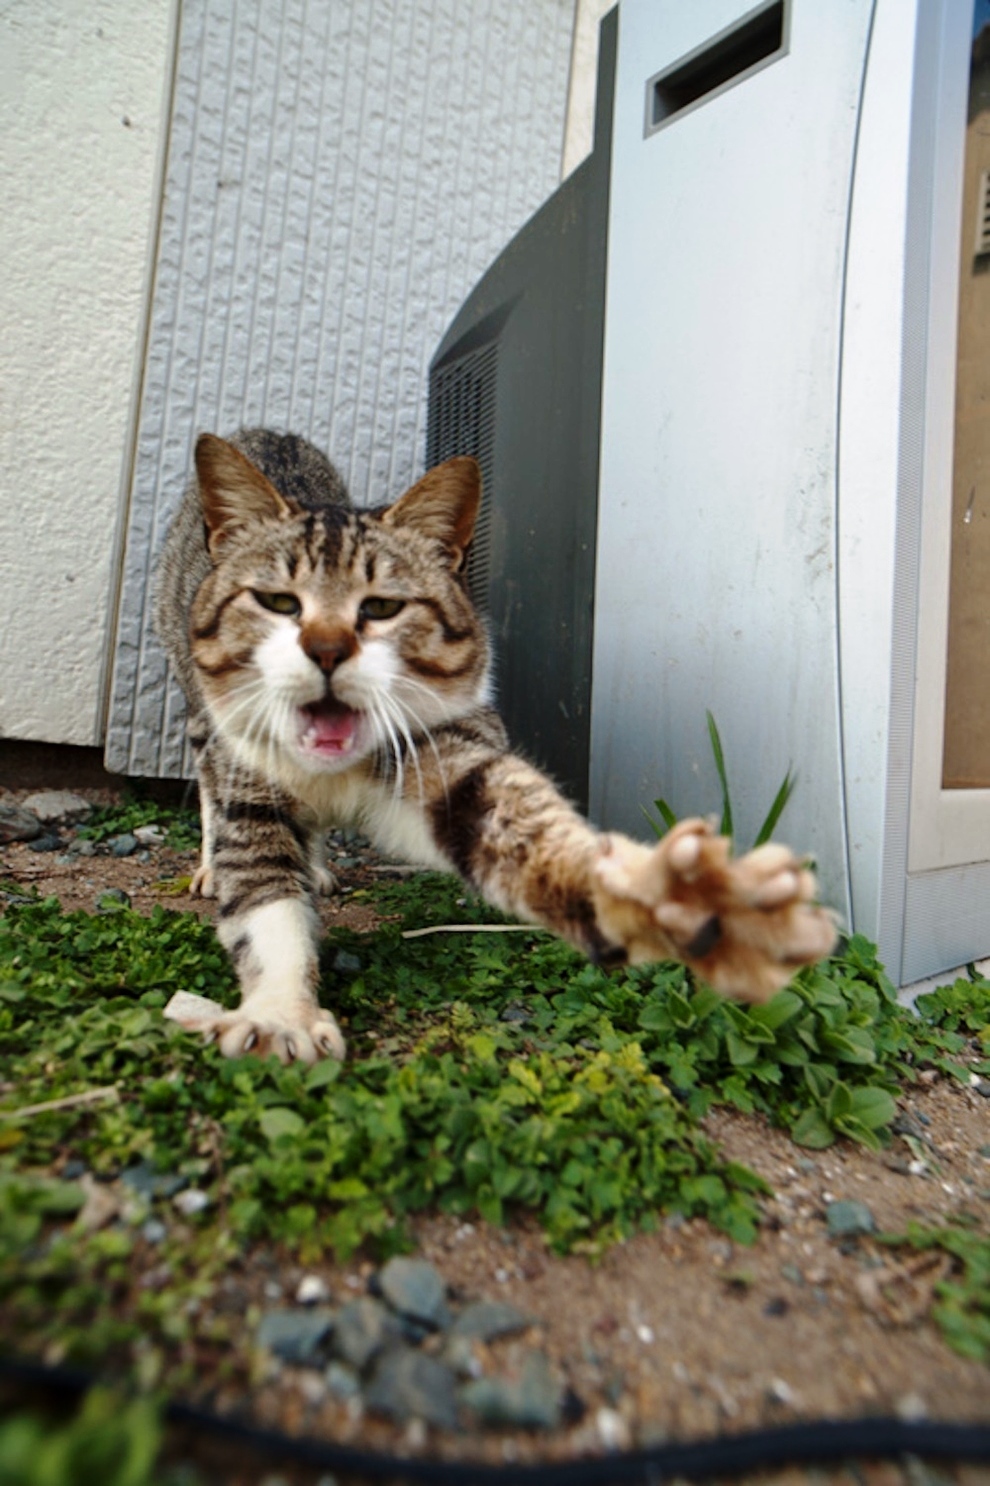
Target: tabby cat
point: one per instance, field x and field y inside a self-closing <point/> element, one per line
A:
<point x="336" y="673"/>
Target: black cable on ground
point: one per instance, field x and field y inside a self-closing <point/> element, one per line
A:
<point x="822" y="1443"/>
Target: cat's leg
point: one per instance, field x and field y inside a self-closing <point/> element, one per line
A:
<point x="744" y="924"/>
<point x="267" y="921"/>
<point x="273" y="948"/>
<point x="324" y="879"/>
<point x="202" y="885"/>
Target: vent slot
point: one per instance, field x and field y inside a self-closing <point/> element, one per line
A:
<point x="461" y="420"/>
<point x="735" y="54"/>
<point x="983" y="216"/>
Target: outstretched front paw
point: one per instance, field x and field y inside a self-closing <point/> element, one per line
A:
<point x="745" y="924"/>
<point x="295" y="1031"/>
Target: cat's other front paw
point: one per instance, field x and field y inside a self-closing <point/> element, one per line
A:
<point x="203" y="883"/>
<point x="745" y="924"/>
<point x="325" y="882"/>
<point x="294" y="1031"/>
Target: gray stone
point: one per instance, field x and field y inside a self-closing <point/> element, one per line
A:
<point x="17" y="824"/>
<point x="848" y="1219"/>
<point x="415" y="1289"/>
<point x="346" y="964"/>
<point x="296" y="1336"/>
<point x="82" y="847"/>
<point x="122" y="846"/>
<point x="342" y="1381"/>
<point x="51" y="805"/>
<point x="113" y="899"/>
<point x="47" y="842"/>
<point x="487" y="1319"/>
<point x="143" y="1178"/>
<point x="149" y="835"/>
<point x="364" y="1328"/>
<point x="413" y="1385"/>
<point x="532" y="1401"/>
<point x="191" y="1202"/>
<point x="154" y="1231"/>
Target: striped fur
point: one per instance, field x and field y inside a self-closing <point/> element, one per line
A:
<point x="337" y="674"/>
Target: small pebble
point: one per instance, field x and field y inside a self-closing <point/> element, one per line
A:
<point x="122" y="846"/>
<point x="411" y="1385"/>
<point x="149" y="835"/>
<point x="46" y="843"/>
<point x="296" y="1336"/>
<point x="533" y="1401"/>
<point x="111" y="900"/>
<point x="847" y="1219"/>
<point x="415" y="1289"/>
<point x="312" y="1290"/>
<point x="191" y="1202"/>
<point x="346" y="964"/>
<point x="154" y="1231"/>
<point x="342" y="1381"/>
<point x="612" y="1430"/>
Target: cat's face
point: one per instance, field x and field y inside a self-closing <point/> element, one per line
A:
<point x="321" y="638"/>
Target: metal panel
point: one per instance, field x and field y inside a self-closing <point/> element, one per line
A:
<point x="339" y="174"/>
<point x="716" y="576"/>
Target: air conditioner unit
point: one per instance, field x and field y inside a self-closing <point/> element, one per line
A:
<point x="729" y="392"/>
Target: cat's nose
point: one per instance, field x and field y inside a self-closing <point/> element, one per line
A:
<point x="326" y="646"/>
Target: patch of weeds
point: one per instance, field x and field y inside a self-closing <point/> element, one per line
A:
<point x="962" y="1299"/>
<point x="181" y="825"/>
<point x="488" y="1074"/>
<point x="110" y="1440"/>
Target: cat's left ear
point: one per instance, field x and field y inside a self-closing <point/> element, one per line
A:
<point x="442" y="505"/>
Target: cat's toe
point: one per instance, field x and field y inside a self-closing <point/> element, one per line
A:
<point x="203" y="884"/>
<point x="328" y="1039"/>
<point x="325" y="882"/>
<point x="239" y="1037"/>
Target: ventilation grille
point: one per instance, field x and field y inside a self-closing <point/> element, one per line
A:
<point x="462" y="421"/>
<point x="983" y="215"/>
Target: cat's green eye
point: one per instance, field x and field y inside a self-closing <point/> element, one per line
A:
<point x="277" y="603"/>
<point x="379" y="608"/>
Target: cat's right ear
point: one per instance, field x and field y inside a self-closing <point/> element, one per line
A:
<point x="233" y="491"/>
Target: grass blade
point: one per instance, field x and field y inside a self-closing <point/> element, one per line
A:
<point x="726" y="825"/>
<point x="777" y="808"/>
<point x="666" y="815"/>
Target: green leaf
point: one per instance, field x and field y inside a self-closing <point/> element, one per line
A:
<point x="813" y="1130"/>
<point x="279" y="1121"/>
<point x="873" y="1107"/>
<point x="321" y="1074"/>
<point x="778" y="1010"/>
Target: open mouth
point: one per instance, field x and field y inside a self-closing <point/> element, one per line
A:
<point x="329" y="728"/>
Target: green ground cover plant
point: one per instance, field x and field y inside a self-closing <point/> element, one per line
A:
<point x="488" y="1074"/>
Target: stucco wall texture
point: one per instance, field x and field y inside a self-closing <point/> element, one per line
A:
<point x="81" y="90"/>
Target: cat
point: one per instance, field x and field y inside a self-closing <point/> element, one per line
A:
<point x="337" y="673"/>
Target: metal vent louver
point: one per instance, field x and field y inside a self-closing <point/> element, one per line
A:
<point x="462" y="421"/>
<point x="983" y="215"/>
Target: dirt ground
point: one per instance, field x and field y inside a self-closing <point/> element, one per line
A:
<point x="679" y="1334"/>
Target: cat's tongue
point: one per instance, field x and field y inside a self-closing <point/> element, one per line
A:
<point x="330" y="727"/>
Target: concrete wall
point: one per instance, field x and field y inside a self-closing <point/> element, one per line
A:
<point x="81" y="91"/>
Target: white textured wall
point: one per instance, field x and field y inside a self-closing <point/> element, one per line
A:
<point x="81" y="88"/>
<point x="340" y="174"/>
